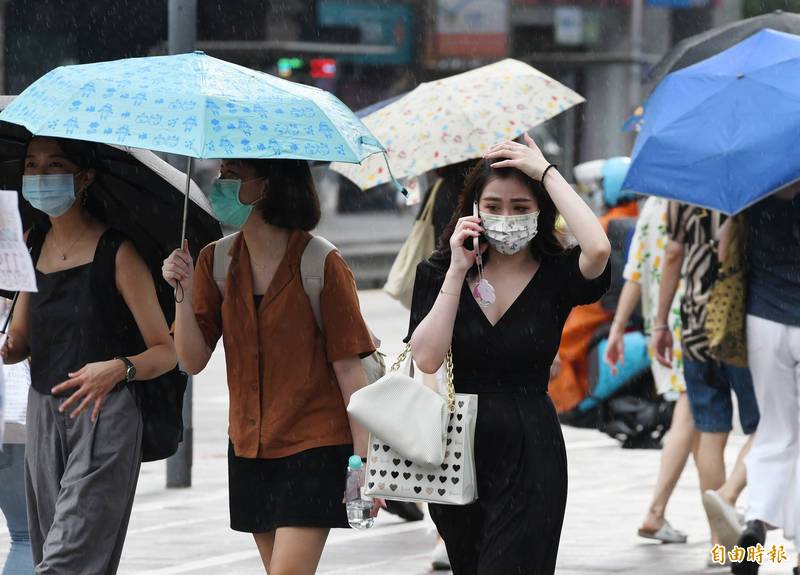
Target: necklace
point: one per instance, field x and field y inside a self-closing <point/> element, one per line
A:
<point x="72" y="245"/>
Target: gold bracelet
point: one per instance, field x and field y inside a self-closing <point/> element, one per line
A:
<point x="448" y="293"/>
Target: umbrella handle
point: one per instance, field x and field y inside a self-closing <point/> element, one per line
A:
<point x="10" y="314"/>
<point x="178" y="286"/>
<point x="186" y="199"/>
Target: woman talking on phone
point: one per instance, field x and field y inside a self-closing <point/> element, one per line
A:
<point x="502" y="314"/>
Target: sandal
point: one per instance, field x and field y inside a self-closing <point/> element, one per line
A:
<point x="666" y="534"/>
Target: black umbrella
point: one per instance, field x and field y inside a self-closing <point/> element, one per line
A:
<point x="139" y="194"/>
<point x="701" y="46"/>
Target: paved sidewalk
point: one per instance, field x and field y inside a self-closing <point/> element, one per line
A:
<point x="186" y="530"/>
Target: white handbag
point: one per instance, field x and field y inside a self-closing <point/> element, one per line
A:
<point x="418" y="246"/>
<point x="391" y="475"/>
<point x="411" y="414"/>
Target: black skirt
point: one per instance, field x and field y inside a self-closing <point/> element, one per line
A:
<point x="301" y="490"/>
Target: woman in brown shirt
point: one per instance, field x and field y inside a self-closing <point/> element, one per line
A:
<point x="290" y="436"/>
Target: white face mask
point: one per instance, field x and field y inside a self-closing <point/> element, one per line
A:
<point x="509" y="234"/>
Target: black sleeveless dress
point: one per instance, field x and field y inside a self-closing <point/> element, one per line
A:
<point x="515" y="526"/>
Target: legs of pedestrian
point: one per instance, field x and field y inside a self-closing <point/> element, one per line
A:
<point x="773" y="464"/>
<point x="737" y="480"/>
<point x="12" y="503"/>
<point x="439" y="558"/>
<point x="291" y="550"/>
<point x="80" y="477"/>
<point x="709" y="386"/>
<point x="681" y="440"/>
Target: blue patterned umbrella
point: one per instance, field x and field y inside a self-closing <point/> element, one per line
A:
<point x="193" y="105"/>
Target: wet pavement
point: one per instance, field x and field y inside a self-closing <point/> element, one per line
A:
<point x="186" y="530"/>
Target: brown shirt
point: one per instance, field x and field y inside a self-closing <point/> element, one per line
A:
<point x="284" y="396"/>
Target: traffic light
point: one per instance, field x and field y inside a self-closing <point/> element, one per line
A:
<point x="323" y="68"/>
<point x="287" y="65"/>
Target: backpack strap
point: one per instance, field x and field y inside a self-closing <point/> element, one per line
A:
<point x="312" y="270"/>
<point x="222" y="260"/>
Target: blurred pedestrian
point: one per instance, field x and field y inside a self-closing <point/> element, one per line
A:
<point x="503" y="324"/>
<point x="693" y="239"/>
<point x="773" y="341"/>
<point x="642" y="274"/>
<point x="290" y="437"/>
<point x="84" y="427"/>
<point x="571" y="385"/>
<point x="12" y="471"/>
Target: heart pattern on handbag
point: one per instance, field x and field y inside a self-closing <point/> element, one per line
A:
<point x="453" y="481"/>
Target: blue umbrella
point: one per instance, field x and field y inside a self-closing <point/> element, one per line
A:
<point x="724" y="133"/>
<point x="193" y="105"/>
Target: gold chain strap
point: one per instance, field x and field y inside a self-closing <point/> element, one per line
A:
<point x="451" y="390"/>
<point x="402" y="357"/>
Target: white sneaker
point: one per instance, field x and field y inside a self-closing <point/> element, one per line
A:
<point x="439" y="559"/>
<point x="723" y="518"/>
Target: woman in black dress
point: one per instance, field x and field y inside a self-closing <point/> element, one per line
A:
<point x="504" y="339"/>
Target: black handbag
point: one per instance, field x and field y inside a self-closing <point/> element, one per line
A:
<point x="161" y="404"/>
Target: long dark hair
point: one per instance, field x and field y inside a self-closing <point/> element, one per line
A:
<point x="547" y="241"/>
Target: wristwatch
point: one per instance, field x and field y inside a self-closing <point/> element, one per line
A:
<point x="130" y="374"/>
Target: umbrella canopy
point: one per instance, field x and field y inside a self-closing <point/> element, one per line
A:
<point x="458" y="118"/>
<point x="140" y="194"/>
<point x="696" y="48"/>
<point x="193" y="105"/>
<point x="722" y="134"/>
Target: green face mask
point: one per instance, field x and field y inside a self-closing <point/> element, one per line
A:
<point x="225" y="202"/>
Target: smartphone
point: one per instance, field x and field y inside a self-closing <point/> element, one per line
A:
<point x="469" y="243"/>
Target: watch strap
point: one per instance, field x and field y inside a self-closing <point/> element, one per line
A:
<point x="131" y="369"/>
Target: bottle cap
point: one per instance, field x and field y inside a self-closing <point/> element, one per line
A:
<point x="355" y="462"/>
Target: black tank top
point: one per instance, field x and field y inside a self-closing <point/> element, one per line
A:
<point x="77" y="316"/>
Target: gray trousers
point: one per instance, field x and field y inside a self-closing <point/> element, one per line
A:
<point x="80" y="479"/>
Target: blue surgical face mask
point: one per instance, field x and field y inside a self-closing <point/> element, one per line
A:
<point x="225" y="202"/>
<point x="52" y="194"/>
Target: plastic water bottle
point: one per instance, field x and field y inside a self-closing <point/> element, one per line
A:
<point x="359" y="506"/>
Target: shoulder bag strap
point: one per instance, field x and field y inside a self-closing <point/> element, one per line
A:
<point x="427" y="211"/>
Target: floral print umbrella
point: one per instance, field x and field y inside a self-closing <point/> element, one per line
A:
<point x="458" y="118"/>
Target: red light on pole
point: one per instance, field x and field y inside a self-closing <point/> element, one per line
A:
<point x="323" y="68"/>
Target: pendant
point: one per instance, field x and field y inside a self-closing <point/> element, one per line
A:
<point x="63" y="257"/>
<point x="483" y="292"/>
